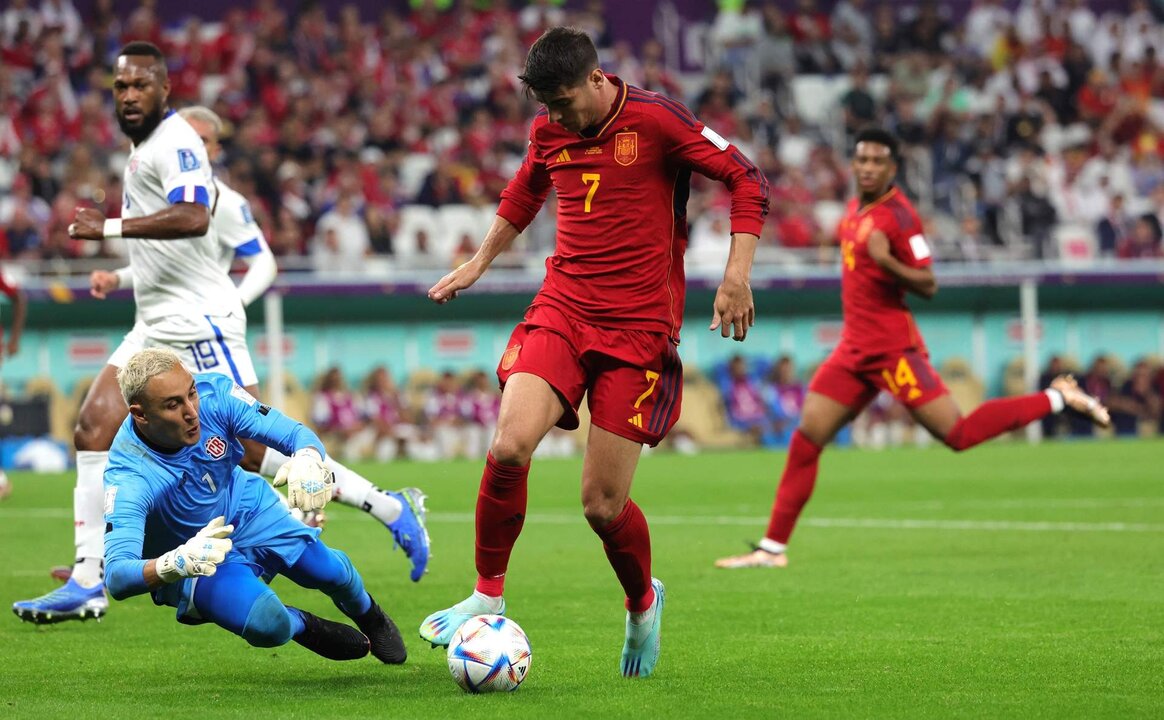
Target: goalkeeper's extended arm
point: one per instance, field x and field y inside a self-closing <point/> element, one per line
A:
<point x="198" y="556"/>
<point x="309" y="482"/>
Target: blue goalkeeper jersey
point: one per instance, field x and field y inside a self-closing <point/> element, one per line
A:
<point x="155" y="501"/>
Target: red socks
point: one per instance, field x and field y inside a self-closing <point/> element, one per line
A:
<point x="627" y="542"/>
<point x="795" y="488"/>
<point x="501" y="505"/>
<point x="994" y="417"/>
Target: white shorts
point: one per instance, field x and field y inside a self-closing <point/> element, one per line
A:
<point x="207" y="343"/>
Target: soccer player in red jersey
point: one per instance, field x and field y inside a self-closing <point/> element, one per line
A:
<point x="883" y="255"/>
<point x="19" y="306"/>
<point x="606" y="320"/>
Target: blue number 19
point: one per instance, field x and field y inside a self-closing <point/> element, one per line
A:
<point x="203" y="353"/>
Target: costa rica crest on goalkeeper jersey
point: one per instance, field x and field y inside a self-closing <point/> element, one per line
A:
<point x="216" y="447"/>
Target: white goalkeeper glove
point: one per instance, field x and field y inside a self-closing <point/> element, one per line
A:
<point x="309" y="482"/>
<point x="199" y="555"/>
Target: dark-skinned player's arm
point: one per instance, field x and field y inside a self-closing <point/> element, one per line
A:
<point x="180" y="220"/>
<point x="918" y="280"/>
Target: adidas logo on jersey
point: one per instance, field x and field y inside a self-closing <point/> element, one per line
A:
<point x="637" y="420"/>
<point x="564" y="156"/>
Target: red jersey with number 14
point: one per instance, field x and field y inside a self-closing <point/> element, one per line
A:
<point x="622" y="207"/>
<point x="877" y="320"/>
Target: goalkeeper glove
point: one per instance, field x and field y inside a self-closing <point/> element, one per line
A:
<point x="199" y="555"/>
<point x="309" y="482"/>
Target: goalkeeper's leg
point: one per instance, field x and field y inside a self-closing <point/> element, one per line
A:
<point x="235" y="599"/>
<point x="330" y="571"/>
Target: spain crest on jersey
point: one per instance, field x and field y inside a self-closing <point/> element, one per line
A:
<point x="626" y="148"/>
<point x="865" y="230"/>
<point x="510" y="356"/>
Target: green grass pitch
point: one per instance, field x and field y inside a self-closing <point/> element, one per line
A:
<point x="1011" y="581"/>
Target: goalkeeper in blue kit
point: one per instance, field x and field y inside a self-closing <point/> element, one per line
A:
<point x="184" y="523"/>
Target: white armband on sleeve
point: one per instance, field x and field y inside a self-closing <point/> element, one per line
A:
<point x="919" y="246"/>
<point x="124" y="277"/>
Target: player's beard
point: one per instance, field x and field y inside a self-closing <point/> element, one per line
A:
<point x="140" y="132"/>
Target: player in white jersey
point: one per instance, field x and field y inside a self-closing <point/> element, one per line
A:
<point x="186" y="301"/>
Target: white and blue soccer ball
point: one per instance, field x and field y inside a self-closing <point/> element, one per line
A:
<point x="489" y="653"/>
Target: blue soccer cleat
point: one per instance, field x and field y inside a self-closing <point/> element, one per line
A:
<point x="440" y="627"/>
<point x="70" y="602"/>
<point x="409" y="532"/>
<point x="640" y="652"/>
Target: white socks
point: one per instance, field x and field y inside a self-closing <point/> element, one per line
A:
<point x="89" y="518"/>
<point x="643" y="618"/>
<point x="488" y="604"/>
<point x="1056" y="399"/>
<point x="351" y="488"/>
<point x="772" y="546"/>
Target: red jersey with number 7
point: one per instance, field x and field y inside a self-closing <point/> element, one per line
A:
<point x="877" y="320"/>
<point x="622" y="191"/>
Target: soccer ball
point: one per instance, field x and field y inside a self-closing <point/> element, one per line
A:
<point x="5" y="485"/>
<point x="489" y="653"/>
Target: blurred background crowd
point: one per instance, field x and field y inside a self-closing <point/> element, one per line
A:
<point x="377" y="136"/>
<point x="1032" y="128"/>
<point x="743" y="402"/>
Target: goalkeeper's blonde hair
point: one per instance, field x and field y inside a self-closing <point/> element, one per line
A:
<point x="205" y="114"/>
<point x="142" y="366"/>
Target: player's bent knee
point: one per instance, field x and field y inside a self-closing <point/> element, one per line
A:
<point x="346" y="580"/>
<point x="267" y="624"/>
<point x="601" y="511"/>
<point x="511" y="451"/>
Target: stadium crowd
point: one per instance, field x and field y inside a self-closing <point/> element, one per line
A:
<point x="344" y="129"/>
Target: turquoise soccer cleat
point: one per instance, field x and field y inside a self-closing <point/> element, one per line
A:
<point x="409" y="531"/>
<point x="640" y="652"/>
<point x="70" y="602"/>
<point x="440" y="627"/>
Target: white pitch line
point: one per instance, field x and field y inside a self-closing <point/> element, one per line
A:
<point x="757" y="522"/>
<point x="874" y="523"/>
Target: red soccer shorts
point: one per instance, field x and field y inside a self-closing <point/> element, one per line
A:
<point x="633" y="379"/>
<point x="853" y="378"/>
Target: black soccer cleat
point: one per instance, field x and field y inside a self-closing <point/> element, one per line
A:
<point x="384" y="636"/>
<point x="332" y="640"/>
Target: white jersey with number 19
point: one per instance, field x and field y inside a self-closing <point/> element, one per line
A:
<point x="184" y="276"/>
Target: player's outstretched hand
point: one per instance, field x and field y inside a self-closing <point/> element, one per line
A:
<point x="88" y="224"/>
<point x="309" y="482"/>
<point x="103" y="282"/>
<point x="200" y="555"/>
<point x="463" y="277"/>
<point x="734" y="310"/>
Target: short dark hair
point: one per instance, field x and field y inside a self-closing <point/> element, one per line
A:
<point x="561" y="57"/>
<point x="881" y="137"/>
<point x="141" y="48"/>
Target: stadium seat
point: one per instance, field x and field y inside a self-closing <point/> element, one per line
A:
<point x="414" y="169"/>
<point x="704" y="416"/>
<point x="454" y="222"/>
<point x="414" y="221"/>
<point x="828" y="214"/>
<point x="814" y="96"/>
<point x="1012" y="377"/>
<point x="1075" y="243"/>
<point x="966" y="389"/>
